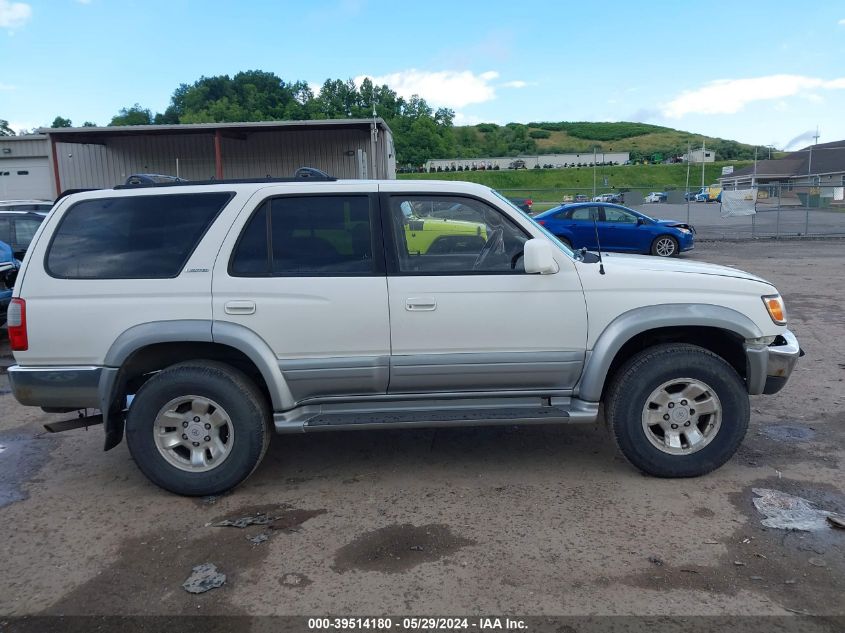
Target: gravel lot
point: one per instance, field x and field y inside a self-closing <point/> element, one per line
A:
<point x="530" y="521"/>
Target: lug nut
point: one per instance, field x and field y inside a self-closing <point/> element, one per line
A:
<point x="665" y="416"/>
<point x="184" y="437"/>
<point x="674" y="426"/>
<point x="185" y="424"/>
<point x="196" y="443"/>
<point x="686" y="423"/>
<point x="671" y="405"/>
<point x="208" y="438"/>
<point x="196" y="418"/>
<point x="207" y="426"/>
<point x="683" y="402"/>
<point x="692" y="411"/>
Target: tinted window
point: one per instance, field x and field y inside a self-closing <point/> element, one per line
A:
<point x="132" y="237"/>
<point x="454" y="236"/>
<point x="312" y="235"/>
<point x="25" y="229"/>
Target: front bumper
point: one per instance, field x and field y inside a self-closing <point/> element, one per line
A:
<point x="769" y="366"/>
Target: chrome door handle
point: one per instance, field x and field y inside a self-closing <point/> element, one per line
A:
<point x="239" y="307"/>
<point x="421" y="304"/>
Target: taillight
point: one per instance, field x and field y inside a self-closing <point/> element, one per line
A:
<point x="541" y="222"/>
<point x="16" y="323"/>
<point x="529" y="202"/>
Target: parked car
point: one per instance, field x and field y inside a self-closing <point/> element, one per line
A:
<point x="517" y="164"/>
<point x="619" y="229"/>
<point x="656" y="196"/>
<point x="524" y="204"/>
<point x="8" y="272"/>
<point x="198" y="318"/>
<point x="18" y="227"/>
<point x="581" y="198"/>
<point x="608" y="197"/>
<point x="40" y="206"/>
<point x="152" y="179"/>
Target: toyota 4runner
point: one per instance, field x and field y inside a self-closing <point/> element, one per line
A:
<point x="198" y="317"/>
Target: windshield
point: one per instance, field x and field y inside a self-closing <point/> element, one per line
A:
<point x="545" y="231"/>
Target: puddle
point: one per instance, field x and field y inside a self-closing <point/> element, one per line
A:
<point x="398" y="548"/>
<point x="21" y="456"/>
<point x="788" y="433"/>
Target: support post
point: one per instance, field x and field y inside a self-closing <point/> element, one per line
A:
<point x="56" y="178"/>
<point x="218" y="154"/>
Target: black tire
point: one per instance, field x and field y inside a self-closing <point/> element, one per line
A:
<point x="656" y="245"/>
<point x="247" y="409"/>
<point x="641" y="375"/>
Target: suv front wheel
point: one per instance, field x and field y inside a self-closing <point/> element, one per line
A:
<point x="198" y="428"/>
<point x="677" y="410"/>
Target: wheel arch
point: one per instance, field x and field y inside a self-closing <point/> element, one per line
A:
<point x="717" y="328"/>
<point x="152" y="346"/>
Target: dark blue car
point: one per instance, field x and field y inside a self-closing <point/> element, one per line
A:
<point x="619" y="229"/>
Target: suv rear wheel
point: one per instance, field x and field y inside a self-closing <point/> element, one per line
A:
<point x="677" y="410"/>
<point x="198" y="428"/>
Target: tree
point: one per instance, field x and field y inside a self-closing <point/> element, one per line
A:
<point x="5" y="130"/>
<point x="61" y="122"/>
<point x="136" y="115"/>
<point x="89" y="124"/>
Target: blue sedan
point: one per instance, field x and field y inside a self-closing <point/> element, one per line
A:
<point x="619" y="229"/>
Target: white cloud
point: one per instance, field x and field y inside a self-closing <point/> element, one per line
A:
<point x="13" y="15"/>
<point x="451" y="88"/>
<point x="514" y="84"/>
<point x="470" y="119"/>
<point x="728" y="96"/>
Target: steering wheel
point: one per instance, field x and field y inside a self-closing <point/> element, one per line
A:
<point x="494" y="242"/>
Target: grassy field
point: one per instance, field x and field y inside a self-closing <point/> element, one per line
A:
<point x="548" y="184"/>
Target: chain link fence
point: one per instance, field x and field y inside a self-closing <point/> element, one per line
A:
<point x="790" y="210"/>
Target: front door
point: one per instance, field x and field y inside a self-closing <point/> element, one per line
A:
<point x="307" y="275"/>
<point x="464" y="315"/>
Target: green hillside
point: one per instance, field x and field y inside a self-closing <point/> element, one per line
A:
<point x="642" y="140"/>
<point x="548" y="185"/>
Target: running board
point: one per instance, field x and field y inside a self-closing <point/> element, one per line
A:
<point x="388" y="415"/>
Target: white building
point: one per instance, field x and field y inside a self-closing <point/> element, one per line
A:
<point x="556" y="160"/>
<point x="700" y="156"/>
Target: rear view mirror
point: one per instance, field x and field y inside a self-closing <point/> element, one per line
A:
<point x="539" y="257"/>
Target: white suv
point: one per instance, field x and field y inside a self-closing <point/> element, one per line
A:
<point x="200" y="316"/>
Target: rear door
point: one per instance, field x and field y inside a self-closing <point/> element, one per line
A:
<point x="305" y="272"/>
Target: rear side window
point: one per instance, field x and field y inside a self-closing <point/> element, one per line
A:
<point x="133" y="237"/>
<point x="307" y="236"/>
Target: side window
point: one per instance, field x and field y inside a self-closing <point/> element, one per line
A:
<point x="619" y="216"/>
<point x="585" y="213"/>
<point x="307" y="236"/>
<point x="25" y="229"/>
<point x="131" y="237"/>
<point x="453" y="235"/>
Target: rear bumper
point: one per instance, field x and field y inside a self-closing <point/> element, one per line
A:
<point x="769" y="367"/>
<point x="59" y="387"/>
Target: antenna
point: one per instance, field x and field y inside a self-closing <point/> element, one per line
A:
<point x="816" y="136"/>
<point x="598" y="243"/>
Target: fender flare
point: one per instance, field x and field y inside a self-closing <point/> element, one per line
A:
<point x="628" y="324"/>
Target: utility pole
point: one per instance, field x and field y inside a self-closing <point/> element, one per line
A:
<point x="702" y="163"/>
<point x="688" y="162"/>
<point x="594" y="171"/>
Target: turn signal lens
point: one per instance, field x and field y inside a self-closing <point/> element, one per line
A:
<point x="776" y="308"/>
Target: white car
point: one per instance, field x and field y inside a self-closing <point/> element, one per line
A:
<point x="198" y="317"/>
<point x="656" y="196"/>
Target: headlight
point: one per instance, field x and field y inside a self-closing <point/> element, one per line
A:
<point x="775" y="308"/>
<point x="683" y="230"/>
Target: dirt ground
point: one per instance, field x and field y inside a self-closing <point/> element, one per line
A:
<point x="530" y="521"/>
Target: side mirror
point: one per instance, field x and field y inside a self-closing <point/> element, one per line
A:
<point x="539" y="257"/>
<point x="640" y="221"/>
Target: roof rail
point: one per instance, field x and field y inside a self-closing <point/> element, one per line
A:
<point x="303" y="173"/>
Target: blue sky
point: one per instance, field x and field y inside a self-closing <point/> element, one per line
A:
<point x="758" y="72"/>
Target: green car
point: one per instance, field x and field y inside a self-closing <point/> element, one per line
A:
<point x="430" y="228"/>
